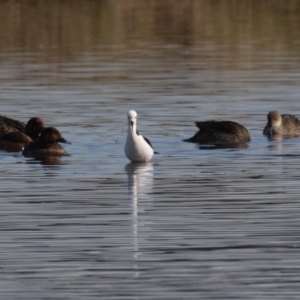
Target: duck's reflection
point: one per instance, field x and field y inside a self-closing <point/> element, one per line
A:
<point x="276" y="145"/>
<point x="223" y="146"/>
<point x="277" y="138"/>
<point x="46" y="160"/>
<point x="275" y="142"/>
<point x="140" y="185"/>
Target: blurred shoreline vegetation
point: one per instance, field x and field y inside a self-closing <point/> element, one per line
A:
<point x="59" y="30"/>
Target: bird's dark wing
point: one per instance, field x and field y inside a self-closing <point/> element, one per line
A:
<point x="148" y="142"/>
<point x="13" y="124"/>
<point x="16" y="137"/>
<point x="290" y="119"/>
<point x="219" y="126"/>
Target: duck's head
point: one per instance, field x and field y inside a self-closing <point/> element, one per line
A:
<point x="34" y="127"/>
<point x="274" y="118"/>
<point x="51" y="135"/>
<point x="274" y="121"/>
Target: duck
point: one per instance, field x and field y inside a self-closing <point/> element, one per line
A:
<point x="14" y="134"/>
<point x="284" y="125"/>
<point x="137" y="147"/>
<point x="47" y="144"/>
<point x="220" y="132"/>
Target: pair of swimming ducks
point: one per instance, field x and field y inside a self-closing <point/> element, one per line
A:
<point x="139" y="149"/>
<point x="34" y="139"/>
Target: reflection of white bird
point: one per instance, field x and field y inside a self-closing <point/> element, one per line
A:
<point x="140" y="179"/>
<point x="140" y="185"/>
<point x="137" y="147"/>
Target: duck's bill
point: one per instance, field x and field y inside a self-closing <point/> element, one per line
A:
<point x="270" y="131"/>
<point x="62" y="140"/>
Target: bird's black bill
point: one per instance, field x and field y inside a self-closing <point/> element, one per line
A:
<point x="62" y="140"/>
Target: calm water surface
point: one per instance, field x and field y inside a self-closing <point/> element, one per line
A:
<point x="193" y="223"/>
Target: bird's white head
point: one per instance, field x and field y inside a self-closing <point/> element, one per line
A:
<point x="132" y="115"/>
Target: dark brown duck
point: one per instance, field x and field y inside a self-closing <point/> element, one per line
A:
<point x="47" y="144"/>
<point x="14" y="135"/>
<point x="284" y="125"/>
<point x="220" y="132"/>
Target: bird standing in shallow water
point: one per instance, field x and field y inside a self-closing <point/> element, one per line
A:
<point x="285" y="125"/>
<point x="137" y="147"/>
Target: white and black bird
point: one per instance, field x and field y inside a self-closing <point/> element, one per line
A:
<point x="137" y="147"/>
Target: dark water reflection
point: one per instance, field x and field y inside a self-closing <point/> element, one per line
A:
<point x="46" y="160"/>
<point x="223" y="146"/>
<point x="221" y="224"/>
<point x="59" y="30"/>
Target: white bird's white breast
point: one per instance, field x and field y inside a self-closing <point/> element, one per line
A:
<point x="137" y="149"/>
